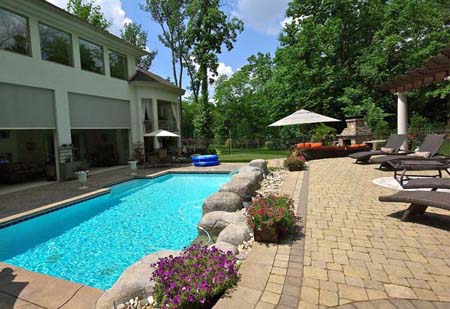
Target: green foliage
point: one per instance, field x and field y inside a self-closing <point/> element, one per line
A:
<point x="418" y="123"/>
<point x="134" y="34"/>
<point x="88" y="11"/>
<point x="324" y="134"/>
<point x="244" y="94"/>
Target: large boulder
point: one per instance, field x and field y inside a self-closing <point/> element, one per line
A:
<point x="256" y="171"/>
<point x="222" y="201"/>
<point x="260" y="163"/>
<point x="225" y="247"/>
<point x="244" y="185"/>
<point x="134" y="281"/>
<point x="234" y="234"/>
<point x="214" y="222"/>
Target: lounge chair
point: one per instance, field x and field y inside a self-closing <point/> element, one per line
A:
<point x="409" y="164"/>
<point x="419" y="201"/>
<point x="393" y="144"/>
<point x="429" y="148"/>
<point x="428" y="183"/>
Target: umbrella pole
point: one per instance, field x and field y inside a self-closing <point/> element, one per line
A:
<point x="302" y="133"/>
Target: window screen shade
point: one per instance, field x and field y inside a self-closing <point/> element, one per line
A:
<point x="98" y="112"/>
<point x="26" y="107"/>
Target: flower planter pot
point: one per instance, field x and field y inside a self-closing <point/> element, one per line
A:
<point x="267" y="235"/>
<point x="82" y="179"/>
<point x="133" y="167"/>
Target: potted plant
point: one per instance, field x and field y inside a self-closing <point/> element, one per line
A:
<point x="295" y="163"/>
<point x="270" y="217"/>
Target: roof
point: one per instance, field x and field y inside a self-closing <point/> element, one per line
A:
<point x="433" y="70"/>
<point x="302" y="116"/>
<point x="109" y="35"/>
<point x="142" y="75"/>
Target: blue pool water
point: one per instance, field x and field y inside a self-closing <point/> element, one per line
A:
<point x="94" y="241"/>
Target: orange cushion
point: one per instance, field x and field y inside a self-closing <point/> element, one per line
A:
<point x="301" y="145"/>
<point x="356" y="146"/>
<point x="314" y="145"/>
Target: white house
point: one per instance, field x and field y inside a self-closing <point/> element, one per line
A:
<point x="71" y="92"/>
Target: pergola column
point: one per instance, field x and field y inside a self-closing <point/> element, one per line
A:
<point x="402" y="115"/>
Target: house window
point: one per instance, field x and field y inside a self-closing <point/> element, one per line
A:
<point x="14" y="32"/>
<point x="91" y="57"/>
<point x="56" y="45"/>
<point x="118" y="65"/>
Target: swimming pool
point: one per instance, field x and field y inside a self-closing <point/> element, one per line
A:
<point x="94" y="241"/>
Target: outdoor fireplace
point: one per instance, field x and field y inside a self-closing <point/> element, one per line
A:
<point x="356" y="132"/>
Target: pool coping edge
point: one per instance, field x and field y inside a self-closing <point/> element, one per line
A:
<point x="51" y="207"/>
<point x="29" y="214"/>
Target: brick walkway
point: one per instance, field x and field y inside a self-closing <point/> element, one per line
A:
<point x="271" y="275"/>
<point x="357" y="249"/>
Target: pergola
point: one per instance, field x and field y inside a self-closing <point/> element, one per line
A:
<point x="433" y="70"/>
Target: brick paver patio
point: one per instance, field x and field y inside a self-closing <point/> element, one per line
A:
<point x="357" y="249"/>
<point x="356" y="252"/>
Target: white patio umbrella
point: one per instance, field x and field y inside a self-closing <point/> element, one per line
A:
<point x="161" y="133"/>
<point x="302" y="117"/>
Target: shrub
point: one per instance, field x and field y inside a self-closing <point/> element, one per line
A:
<point x="324" y="134"/>
<point x="295" y="163"/>
<point x="271" y="212"/>
<point x="194" y="279"/>
<point x="211" y="150"/>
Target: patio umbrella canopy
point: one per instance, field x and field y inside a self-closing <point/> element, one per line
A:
<point x="302" y="117"/>
<point x="162" y="133"/>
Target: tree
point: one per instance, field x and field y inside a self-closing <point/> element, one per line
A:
<point x="88" y="11"/>
<point x="335" y="54"/>
<point x="171" y="16"/>
<point x="246" y="94"/>
<point x="208" y="30"/>
<point x="134" y="34"/>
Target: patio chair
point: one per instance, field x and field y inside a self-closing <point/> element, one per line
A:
<point x="393" y="144"/>
<point x="429" y="148"/>
<point x="419" y="201"/>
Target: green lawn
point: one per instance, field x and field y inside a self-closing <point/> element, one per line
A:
<point x="246" y="155"/>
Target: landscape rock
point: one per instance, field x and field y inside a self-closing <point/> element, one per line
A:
<point x="244" y="186"/>
<point x="260" y="163"/>
<point x="259" y="173"/>
<point x="225" y="247"/>
<point x="134" y="282"/>
<point x="272" y="183"/>
<point x="222" y="201"/>
<point x="214" y="222"/>
<point x="234" y="234"/>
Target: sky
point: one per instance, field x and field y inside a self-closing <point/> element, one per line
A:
<point x="263" y="21"/>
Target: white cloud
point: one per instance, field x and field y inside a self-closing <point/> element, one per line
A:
<point x="112" y="9"/>
<point x="224" y="69"/>
<point x="264" y="16"/>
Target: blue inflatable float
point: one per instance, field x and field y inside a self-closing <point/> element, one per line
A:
<point x="207" y="160"/>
